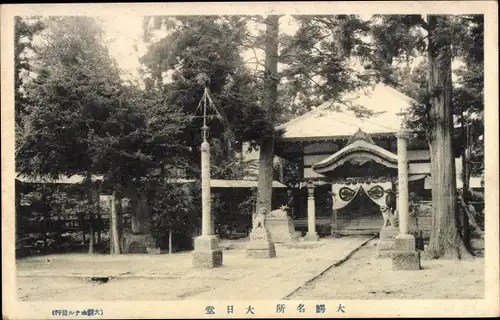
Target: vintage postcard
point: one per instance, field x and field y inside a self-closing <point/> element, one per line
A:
<point x="250" y="160"/>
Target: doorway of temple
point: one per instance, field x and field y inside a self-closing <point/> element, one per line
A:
<point x="360" y="216"/>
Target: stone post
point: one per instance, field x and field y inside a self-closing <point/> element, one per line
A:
<point x="404" y="257"/>
<point x="206" y="212"/>
<point x="206" y="248"/>
<point x="402" y="194"/>
<point x="311" y="235"/>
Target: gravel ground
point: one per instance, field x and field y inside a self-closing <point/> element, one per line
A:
<point x="164" y="277"/>
<point x="365" y="277"/>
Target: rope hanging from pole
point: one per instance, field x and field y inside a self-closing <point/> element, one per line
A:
<point x="207" y="102"/>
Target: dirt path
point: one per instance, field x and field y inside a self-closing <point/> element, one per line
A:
<point x="366" y="277"/>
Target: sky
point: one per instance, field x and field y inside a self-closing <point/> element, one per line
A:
<point x="125" y="45"/>
<point x="124" y="34"/>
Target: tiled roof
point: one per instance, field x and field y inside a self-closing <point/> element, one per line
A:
<point x="214" y="183"/>
<point x="62" y="180"/>
<point x="219" y="183"/>
<point x="325" y="121"/>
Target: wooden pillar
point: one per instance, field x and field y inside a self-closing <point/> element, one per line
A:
<point x="334" y="228"/>
<point x="311" y="235"/>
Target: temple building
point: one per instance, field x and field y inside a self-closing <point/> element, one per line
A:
<point x="349" y="165"/>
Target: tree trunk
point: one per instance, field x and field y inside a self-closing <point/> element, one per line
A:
<point x="81" y="217"/>
<point x="82" y="225"/>
<point x="98" y="213"/>
<point x="445" y="241"/>
<point x="265" y="183"/>
<point x="90" y="200"/>
<point x="46" y="217"/>
<point x="465" y="183"/>
<point x="135" y="222"/>
<point x="270" y="98"/>
<point x="119" y="212"/>
<point x="115" y="239"/>
<point x="111" y="233"/>
<point x="170" y="241"/>
<point x="44" y="232"/>
<point x="470" y="217"/>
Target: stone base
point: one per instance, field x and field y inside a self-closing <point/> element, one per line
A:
<point x="260" y="244"/>
<point x="202" y="243"/>
<point x="406" y="260"/>
<point x="385" y="243"/>
<point x="404" y="242"/>
<point x="311" y="236"/>
<point x="261" y="253"/>
<point x="404" y="256"/>
<point x="206" y="252"/>
<point x="384" y="249"/>
<point x="388" y="233"/>
<point x="281" y="229"/>
<point x="207" y="258"/>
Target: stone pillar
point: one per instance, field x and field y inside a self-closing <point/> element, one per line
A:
<point x="404" y="256"/>
<point x="311" y="235"/>
<point x="402" y="194"/>
<point x="206" y="208"/>
<point x="206" y="248"/>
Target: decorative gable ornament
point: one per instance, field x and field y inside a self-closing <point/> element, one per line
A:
<point x="359" y="161"/>
<point x="360" y="135"/>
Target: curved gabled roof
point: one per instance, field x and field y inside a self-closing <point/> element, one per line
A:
<point x="333" y="119"/>
<point x="357" y="149"/>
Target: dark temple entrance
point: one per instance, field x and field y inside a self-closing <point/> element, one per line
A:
<point x="360" y="216"/>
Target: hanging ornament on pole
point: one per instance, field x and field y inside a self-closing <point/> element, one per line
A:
<point x="206" y="104"/>
<point x="206" y="254"/>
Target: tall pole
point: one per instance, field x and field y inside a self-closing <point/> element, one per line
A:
<point x="205" y="181"/>
<point x="403" y="182"/>
<point x="404" y="255"/>
<point x="403" y="202"/>
<point x="206" y="252"/>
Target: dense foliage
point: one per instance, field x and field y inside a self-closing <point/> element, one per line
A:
<point x="200" y="51"/>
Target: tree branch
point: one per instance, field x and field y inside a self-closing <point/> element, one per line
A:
<point x="423" y="23"/>
<point x="419" y="41"/>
